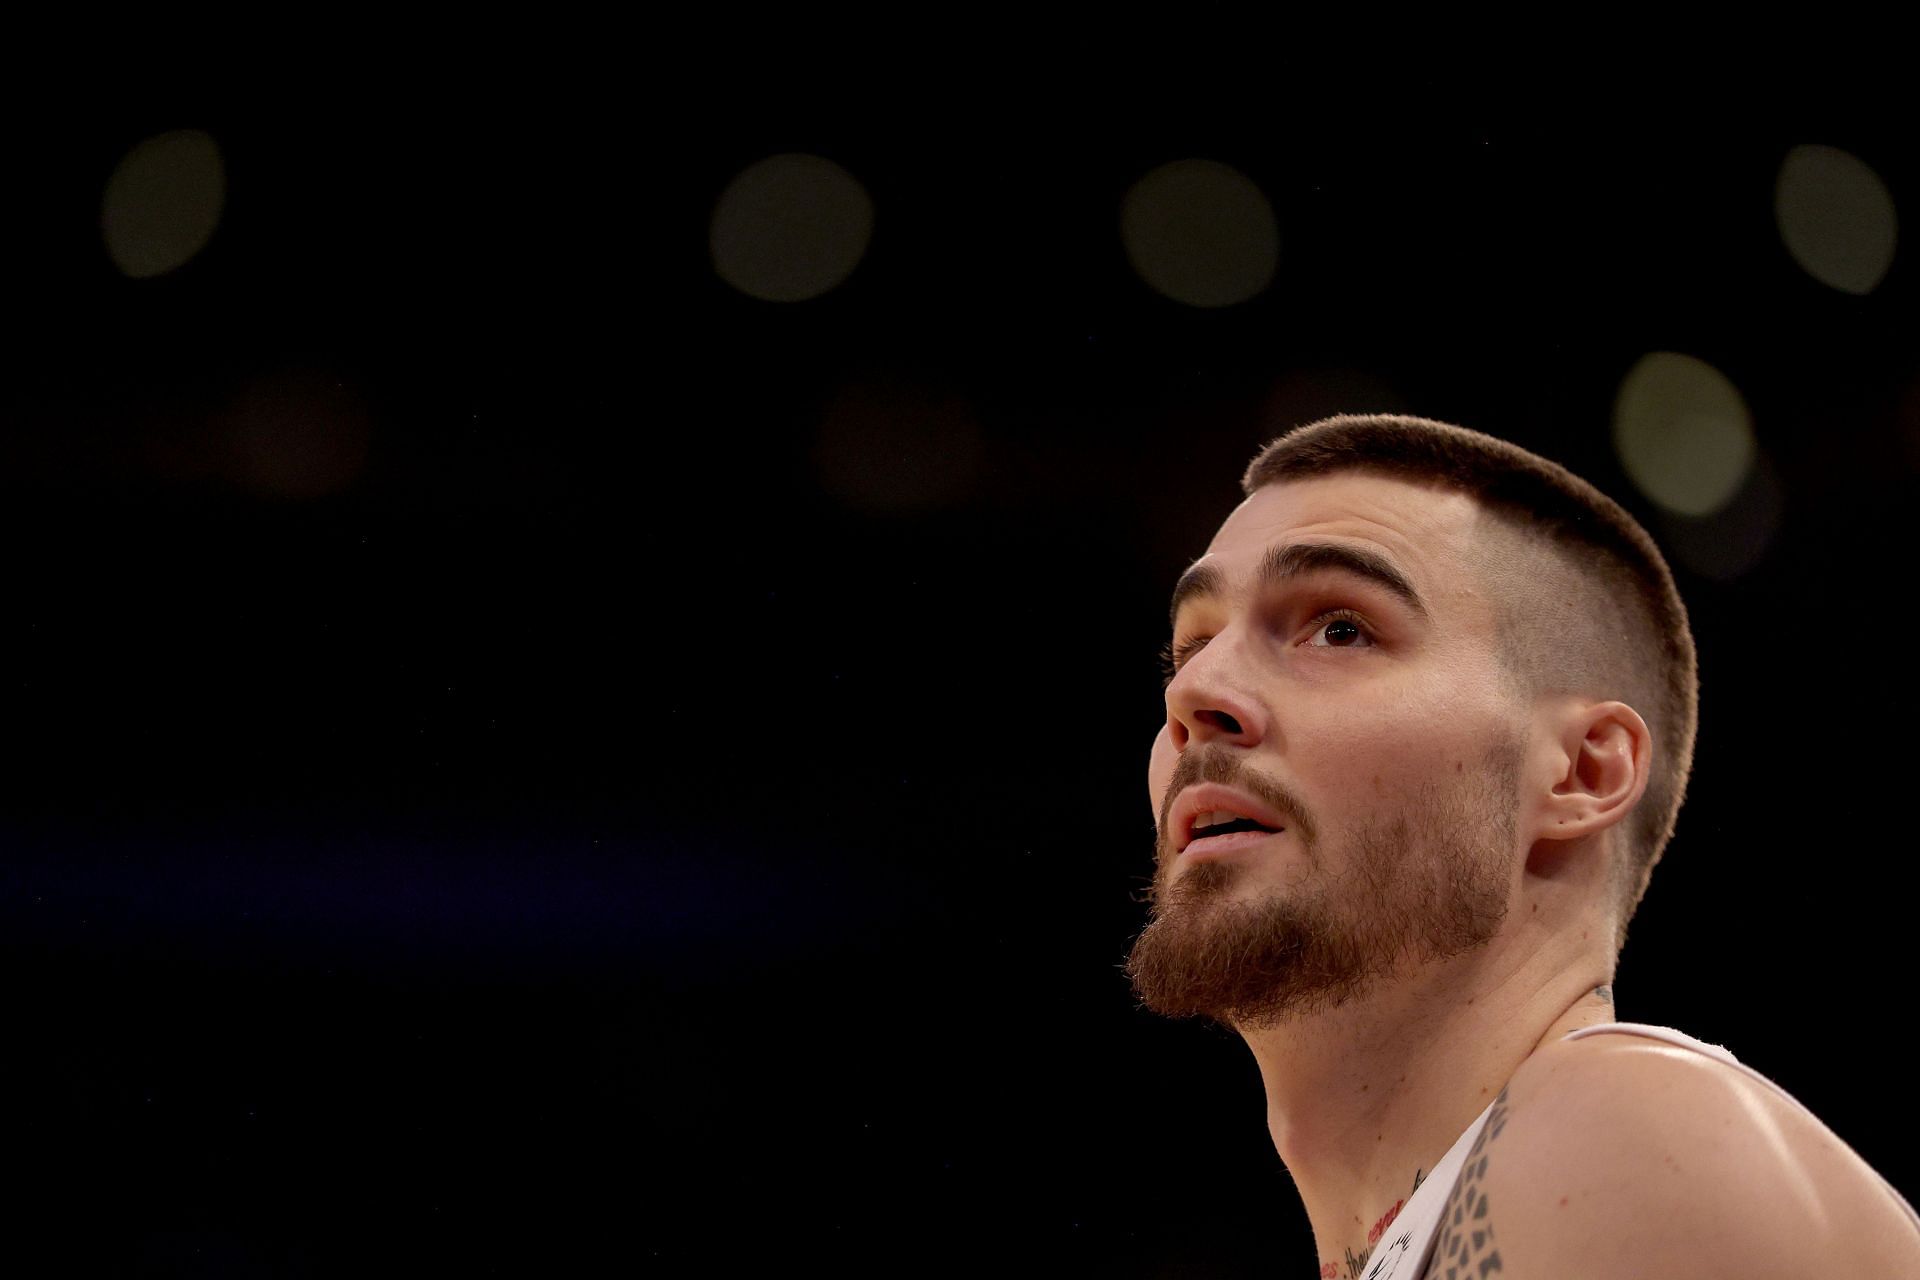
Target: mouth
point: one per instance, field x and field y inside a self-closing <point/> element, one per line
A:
<point x="1206" y="847"/>
<point x="1211" y="819"/>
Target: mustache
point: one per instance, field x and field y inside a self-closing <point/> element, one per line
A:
<point x="1197" y="766"/>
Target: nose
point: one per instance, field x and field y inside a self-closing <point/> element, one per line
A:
<point x="1205" y="702"/>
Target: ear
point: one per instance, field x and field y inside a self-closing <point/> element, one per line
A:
<point x="1604" y="758"/>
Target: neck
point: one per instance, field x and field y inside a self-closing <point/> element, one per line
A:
<point x="1363" y="1100"/>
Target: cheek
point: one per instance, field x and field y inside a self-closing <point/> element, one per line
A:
<point x="1160" y="764"/>
<point x="1395" y="749"/>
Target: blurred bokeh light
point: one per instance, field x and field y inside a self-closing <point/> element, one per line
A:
<point x="1733" y="540"/>
<point x="1201" y="232"/>
<point x="1836" y="217"/>
<point x="791" y="227"/>
<point x="1683" y="433"/>
<point x="163" y="202"/>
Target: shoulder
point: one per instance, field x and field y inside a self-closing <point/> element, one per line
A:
<point x="1619" y="1155"/>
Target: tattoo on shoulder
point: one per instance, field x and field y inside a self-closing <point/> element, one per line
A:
<point x="1605" y="992"/>
<point x="1465" y="1249"/>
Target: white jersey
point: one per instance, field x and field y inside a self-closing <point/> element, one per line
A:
<point x="1403" y="1252"/>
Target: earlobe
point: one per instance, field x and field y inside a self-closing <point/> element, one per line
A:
<point x="1607" y="755"/>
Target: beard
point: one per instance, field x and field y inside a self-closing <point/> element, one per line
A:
<point x="1426" y="883"/>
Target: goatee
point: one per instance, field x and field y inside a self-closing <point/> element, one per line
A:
<point x="1401" y="900"/>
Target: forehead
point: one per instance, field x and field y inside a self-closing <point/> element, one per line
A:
<point x="1429" y="533"/>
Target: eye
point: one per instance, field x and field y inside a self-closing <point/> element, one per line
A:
<point x="1345" y="630"/>
<point x="1174" y="656"/>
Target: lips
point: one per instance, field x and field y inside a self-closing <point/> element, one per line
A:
<point x="1207" y="846"/>
<point x="1209" y="796"/>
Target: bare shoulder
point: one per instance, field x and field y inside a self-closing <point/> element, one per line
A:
<point x="1622" y="1156"/>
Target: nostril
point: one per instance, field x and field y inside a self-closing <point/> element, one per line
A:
<point x="1221" y="720"/>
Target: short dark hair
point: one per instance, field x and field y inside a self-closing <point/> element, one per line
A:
<point x="1629" y="639"/>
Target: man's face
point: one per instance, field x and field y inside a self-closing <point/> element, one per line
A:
<point x="1370" y="717"/>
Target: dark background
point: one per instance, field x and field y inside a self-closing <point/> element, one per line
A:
<point x="522" y="756"/>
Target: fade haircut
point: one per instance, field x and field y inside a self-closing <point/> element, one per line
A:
<point x="1586" y="602"/>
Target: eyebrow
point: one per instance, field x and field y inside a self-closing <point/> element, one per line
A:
<point x="1292" y="560"/>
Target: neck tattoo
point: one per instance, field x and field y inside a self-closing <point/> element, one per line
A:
<point x="1353" y="1263"/>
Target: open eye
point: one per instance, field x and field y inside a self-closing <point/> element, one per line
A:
<point x="1344" y="630"/>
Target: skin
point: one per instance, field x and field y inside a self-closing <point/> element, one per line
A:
<point x="1447" y="918"/>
